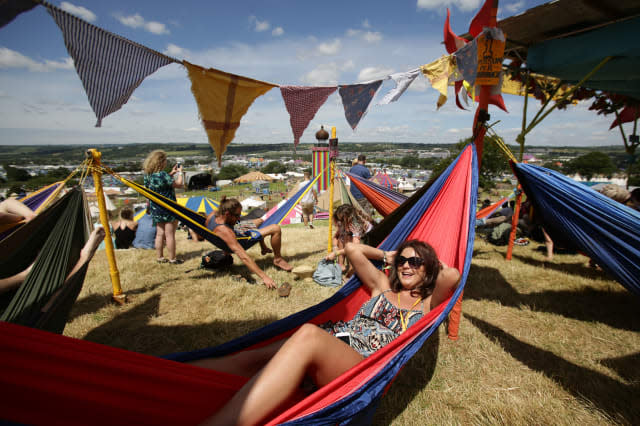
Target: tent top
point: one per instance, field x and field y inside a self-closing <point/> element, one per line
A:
<point x="561" y="18"/>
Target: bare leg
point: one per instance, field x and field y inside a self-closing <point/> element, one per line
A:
<point x="160" y="240"/>
<point x="310" y="351"/>
<point x="276" y="243"/>
<point x="12" y="210"/>
<point x="548" y="242"/>
<point x="14" y="281"/>
<point x="170" y="236"/>
<point x="245" y="363"/>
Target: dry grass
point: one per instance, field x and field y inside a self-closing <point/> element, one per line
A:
<point x="540" y="343"/>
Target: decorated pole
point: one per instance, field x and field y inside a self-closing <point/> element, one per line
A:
<point x="333" y="155"/>
<point x="94" y="155"/>
<point x="488" y="50"/>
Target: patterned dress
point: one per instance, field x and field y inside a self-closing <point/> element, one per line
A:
<point x="376" y="324"/>
<point x="161" y="183"/>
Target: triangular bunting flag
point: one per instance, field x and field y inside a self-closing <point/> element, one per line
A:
<point x="110" y="67"/>
<point x="403" y="80"/>
<point x="356" y="99"/>
<point x="467" y="61"/>
<point x="223" y="99"/>
<point x="302" y="103"/>
<point x="438" y="73"/>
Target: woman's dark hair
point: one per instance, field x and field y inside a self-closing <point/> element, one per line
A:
<point x="431" y="264"/>
<point x="126" y="213"/>
<point x="228" y="205"/>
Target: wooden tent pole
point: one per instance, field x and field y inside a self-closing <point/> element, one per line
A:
<point x="95" y="156"/>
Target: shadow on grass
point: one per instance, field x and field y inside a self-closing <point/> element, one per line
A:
<point x="132" y="330"/>
<point x="578" y="269"/>
<point x="616" y="399"/>
<point x="95" y="302"/>
<point x="411" y="380"/>
<point x="625" y="366"/>
<point x="617" y="309"/>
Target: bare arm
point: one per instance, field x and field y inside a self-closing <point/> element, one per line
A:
<point x="447" y="281"/>
<point x="229" y="237"/>
<point x="179" y="182"/>
<point x="360" y="257"/>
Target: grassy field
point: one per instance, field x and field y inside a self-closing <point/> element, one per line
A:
<point x="540" y="343"/>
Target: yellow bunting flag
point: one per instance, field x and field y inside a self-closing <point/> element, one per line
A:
<point x="223" y="99"/>
<point x="438" y="73"/>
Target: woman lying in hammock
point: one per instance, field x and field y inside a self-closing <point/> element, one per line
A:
<point x="418" y="283"/>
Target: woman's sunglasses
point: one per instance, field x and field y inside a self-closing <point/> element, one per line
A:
<point x="414" y="261"/>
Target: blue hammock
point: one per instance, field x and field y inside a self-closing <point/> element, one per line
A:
<point x="605" y="230"/>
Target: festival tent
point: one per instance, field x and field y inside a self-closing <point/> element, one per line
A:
<point x="107" y="385"/>
<point x="293" y="216"/>
<point x="383" y="179"/>
<point x="199" y="204"/>
<point x="253" y="176"/>
<point x="250" y="203"/>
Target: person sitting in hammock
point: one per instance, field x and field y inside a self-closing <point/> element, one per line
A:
<point x="418" y="283"/>
<point x="222" y="223"/>
<point x="351" y="225"/>
<point x="86" y="254"/>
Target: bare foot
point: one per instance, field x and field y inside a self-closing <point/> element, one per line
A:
<point x="282" y="264"/>
<point x="92" y="243"/>
<point x="266" y="250"/>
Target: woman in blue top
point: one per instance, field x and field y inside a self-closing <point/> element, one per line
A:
<point x="163" y="183"/>
<point x="418" y="283"/>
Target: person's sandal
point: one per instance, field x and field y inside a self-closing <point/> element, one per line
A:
<point x="176" y="261"/>
<point x="162" y="260"/>
<point x="284" y="289"/>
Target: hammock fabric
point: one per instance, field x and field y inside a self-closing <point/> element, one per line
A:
<point x="383" y="199"/>
<point x="603" y="229"/>
<point x="106" y="385"/>
<point x="197" y="223"/>
<point x="489" y="210"/>
<point x="33" y="201"/>
<point x="52" y="242"/>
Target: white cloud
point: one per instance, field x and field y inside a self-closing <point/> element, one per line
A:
<point x="259" y="25"/>
<point x="353" y="33"/>
<point x="349" y="65"/>
<point x="79" y="11"/>
<point x="176" y="51"/>
<point x="374" y="73"/>
<point x="372" y="37"/>
<point x="278" y="31"/>
<point x="137" y="21"/>
<point x="463" y="5"/>
<point x="324" y="74"/>
<point x="12" y="59"/>
<point x="365" y="24"/>
<point x="330" y="48"/>
<point x="514" y="7"/>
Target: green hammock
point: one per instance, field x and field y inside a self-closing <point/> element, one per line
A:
<point x="53" y="241"/>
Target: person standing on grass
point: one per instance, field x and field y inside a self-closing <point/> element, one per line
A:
<point x="222" y="223"/>
<point x="308" y="201"/>
<point x="163" y="183"/>
<point x="359" y="169"/>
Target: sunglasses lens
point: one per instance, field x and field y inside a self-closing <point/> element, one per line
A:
<point x="414" y="261"/>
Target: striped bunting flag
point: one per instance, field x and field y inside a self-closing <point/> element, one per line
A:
<point x="110" y="67"/>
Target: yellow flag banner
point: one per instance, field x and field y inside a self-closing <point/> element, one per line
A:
<point x="438" y="73"/>
<point x="223" y="99"/>
<point x="490" y="54"/>
<point x="514" y="87"/>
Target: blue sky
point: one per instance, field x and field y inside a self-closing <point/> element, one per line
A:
<point x="42" y="100"/>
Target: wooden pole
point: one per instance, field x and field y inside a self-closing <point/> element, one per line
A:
<point x="95" y="157"/>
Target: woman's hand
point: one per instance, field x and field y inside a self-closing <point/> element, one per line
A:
<point x="390" y="257"/>
<point x="330" y="257"/>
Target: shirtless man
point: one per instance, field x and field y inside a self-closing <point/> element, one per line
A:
<point x="222" y="223"/>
